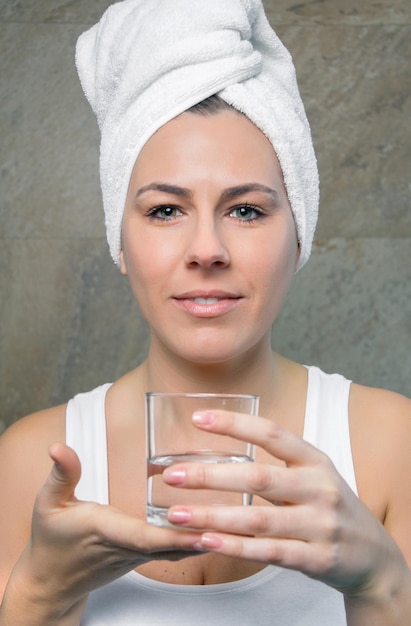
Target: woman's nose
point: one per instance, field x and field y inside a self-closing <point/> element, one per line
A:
<point x="206" y="247"/>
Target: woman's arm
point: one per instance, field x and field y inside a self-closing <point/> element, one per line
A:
<point x="25" y="605"/>
<point x="381" y="440"/>
<point x="24" y="467"/>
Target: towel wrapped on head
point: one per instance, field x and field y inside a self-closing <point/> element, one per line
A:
<point x="147" y="61"/>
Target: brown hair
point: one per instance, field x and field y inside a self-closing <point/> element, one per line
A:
<point x="210" y="106"/>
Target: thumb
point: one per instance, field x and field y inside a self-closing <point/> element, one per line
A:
<point x="64" y="476"/>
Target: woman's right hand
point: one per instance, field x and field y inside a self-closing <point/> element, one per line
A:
<point x="77" y="546"/>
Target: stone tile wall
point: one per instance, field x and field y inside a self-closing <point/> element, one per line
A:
<point x="68" y="321"/>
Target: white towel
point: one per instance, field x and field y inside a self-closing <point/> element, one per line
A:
<point x="147" y="61"/>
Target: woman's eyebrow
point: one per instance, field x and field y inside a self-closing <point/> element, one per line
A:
<point x="174" y="190"/>
<point x="239" y="190"/>
<point x="227" y="194"/>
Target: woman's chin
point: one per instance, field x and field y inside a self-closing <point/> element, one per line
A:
<point x="218" y="357"/>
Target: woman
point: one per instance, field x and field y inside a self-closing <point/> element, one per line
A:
<point x="209" y="211"/>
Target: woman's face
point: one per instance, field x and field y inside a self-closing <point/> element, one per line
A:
<point x="208" y="238"/>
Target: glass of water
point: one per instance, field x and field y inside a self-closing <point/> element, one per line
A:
<point x="172" y="438"/>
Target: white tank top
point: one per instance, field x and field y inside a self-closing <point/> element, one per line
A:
<point x="273" y="596"/>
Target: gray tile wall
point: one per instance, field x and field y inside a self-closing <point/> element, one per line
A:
<point x="68" y="321"/>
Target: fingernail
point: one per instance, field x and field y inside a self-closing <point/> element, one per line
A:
<point x="179" y="516"/>
<point x="174" y="476"/>
<point x="203" y="418"/>
<point x="211" y="542"/>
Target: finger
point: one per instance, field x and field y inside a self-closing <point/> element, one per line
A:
<point x="125" y="531"/>
<point x="63" y="478"/>
<point x="274" y="483"/>
<point x="292" y="554"/>
<point x="269" y="435"/>
<point x="286" y="522"/>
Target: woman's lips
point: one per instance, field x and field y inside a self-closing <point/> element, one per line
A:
<point x="207" y="304"/>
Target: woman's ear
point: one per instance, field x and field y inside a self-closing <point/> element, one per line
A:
<point x="123" y="268"/>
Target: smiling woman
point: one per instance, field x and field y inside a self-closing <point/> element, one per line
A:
<point x="185" y="237"/>
<point x="210" y="211"/>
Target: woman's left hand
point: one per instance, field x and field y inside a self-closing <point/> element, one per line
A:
<point x="315" y="523"/>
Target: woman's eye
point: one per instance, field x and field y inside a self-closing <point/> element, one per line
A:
<point x="245" y="213"/>
<point x="165" y="212"/>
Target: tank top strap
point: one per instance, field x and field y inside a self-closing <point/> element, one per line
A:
<point x="326" y="423"/>
<point x="86" y="434"/>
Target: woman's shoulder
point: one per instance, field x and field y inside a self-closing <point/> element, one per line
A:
<point x="382" y="417"/>
<point x="380" y="428"/>
<point x="24" y="467"/>
<point x="24" y="445"/>
<point x="44" y="423"/>
<point x="379" y="409"/>
<point x="24" y="460"/>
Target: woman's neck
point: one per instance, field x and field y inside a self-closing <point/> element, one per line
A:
<point x="254" y="372"/>
<point x="281" y="384"/>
